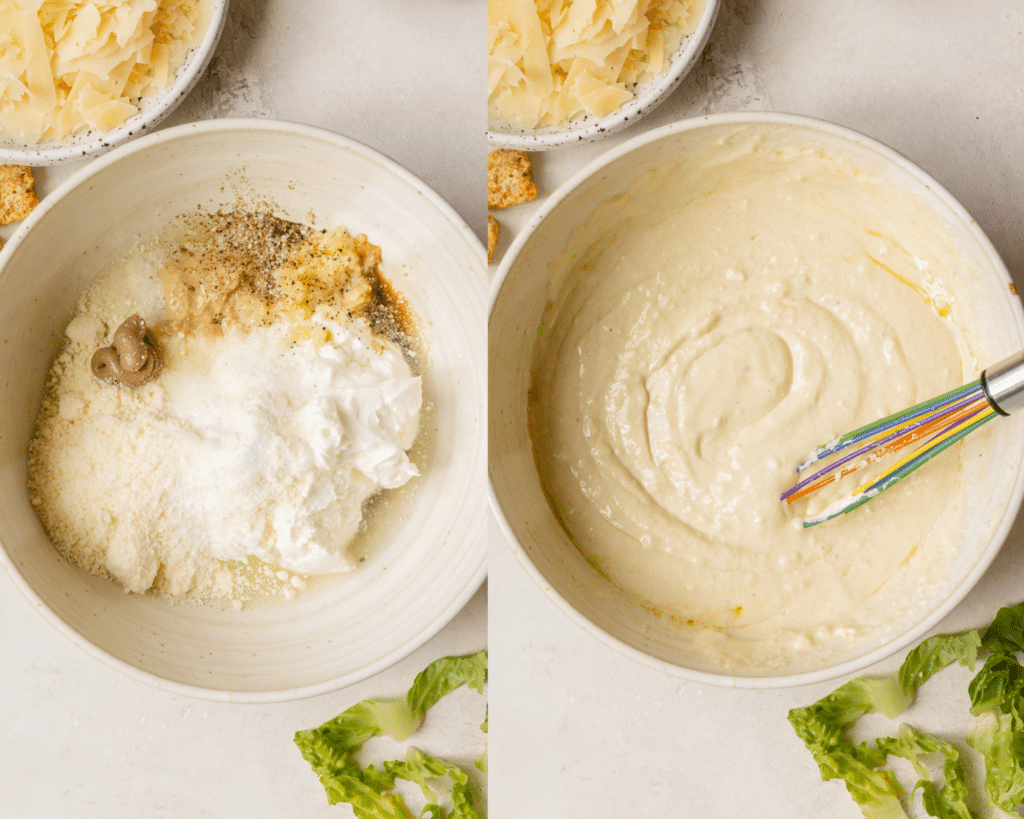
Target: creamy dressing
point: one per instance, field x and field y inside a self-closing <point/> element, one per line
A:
<point x="715" y="324"/>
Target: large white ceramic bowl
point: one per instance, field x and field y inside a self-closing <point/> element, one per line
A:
<point x="344" y="628"/>
<point x="523" y="291"/>
<point x="647" y="96"/>
<point x="152" y="110"/>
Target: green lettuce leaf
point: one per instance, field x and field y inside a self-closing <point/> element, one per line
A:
<point x="947" y="802"/>
<point x="935" y="654"/>
<point x="481" y="761"/>
<point x="994" y="737"/>
<point x="997" y="693"/>
<point x="1006" y="631"/>
<point x="420" y="768"/>
<point x="824" y="725"/>
<point x="330" y="749"/>
<point x="998" y="686"/>
<point x="877" y="792"/>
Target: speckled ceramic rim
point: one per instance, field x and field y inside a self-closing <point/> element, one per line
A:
<point x="999" y="535"/>
<point x="415" y="641"/>
<point x="152" y="111"/>
<point x="588" y="129"/>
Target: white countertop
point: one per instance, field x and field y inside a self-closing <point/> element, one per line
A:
<point x="577" y="729"/>
<point x="79" y="739"/>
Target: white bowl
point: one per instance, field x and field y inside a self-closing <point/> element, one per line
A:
<point x="343" y="628"/>
<point x="587" y="128"/>
<point x="152" y="110"/>
<point x="523" y="290"/>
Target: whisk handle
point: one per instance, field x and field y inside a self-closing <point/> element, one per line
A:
<point x="1004" y="384"/>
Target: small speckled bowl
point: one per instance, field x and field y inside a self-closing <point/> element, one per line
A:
<point x="586" y="128"/>
<point x="152" y="110"/>
<point x="428" y="558"/>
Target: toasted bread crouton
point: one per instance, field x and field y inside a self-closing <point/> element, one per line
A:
<point x="509" y="179"/>
<point x="17" y="193"/>
<point x="493" y="234"/>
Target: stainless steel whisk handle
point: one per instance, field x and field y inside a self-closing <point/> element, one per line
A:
<point x="1004" y="384"/>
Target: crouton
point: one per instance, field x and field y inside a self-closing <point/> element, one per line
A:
<point x="493" y="234"/>
<point x="509" y="179"/>
<point x="17" y="193"/>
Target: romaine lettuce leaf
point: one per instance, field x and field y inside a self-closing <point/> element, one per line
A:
<point x="996" y="689"/>
<point x="998" y="686"/>
<point x="419" y="768"/>
<point x="330" y="749"/>
<point x="935" y="654"/>
<point x="823" y="726"/>
<point x="1006" y="631"/>
<point x="481" y="761"/>
<point x="994" y="737"/>
<point x="947" y="802"/>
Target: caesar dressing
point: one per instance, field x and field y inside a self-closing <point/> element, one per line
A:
<point x="753" y="300"/>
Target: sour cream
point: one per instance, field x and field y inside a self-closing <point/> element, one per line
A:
<point x="292" y="437"/>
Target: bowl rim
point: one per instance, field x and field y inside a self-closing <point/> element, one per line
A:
<point x="215" y="694"/>
<point x="92" y="142"/>
<point x="888" y="649"/>
<point x="647" y="97"/>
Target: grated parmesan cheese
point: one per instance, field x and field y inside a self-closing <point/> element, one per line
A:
<point x="552" y="60"/>
<point x="70" y="65"/>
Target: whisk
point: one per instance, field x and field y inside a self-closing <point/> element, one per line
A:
<point x="939" y="422"/>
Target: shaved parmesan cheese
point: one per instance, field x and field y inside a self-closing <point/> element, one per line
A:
<point x="71" y="65"/>
<point x="552" y="60"/>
